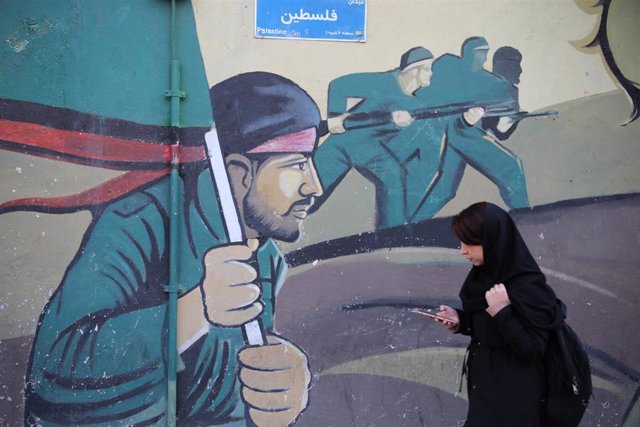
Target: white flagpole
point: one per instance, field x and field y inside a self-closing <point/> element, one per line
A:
<point x="252" y="330"/>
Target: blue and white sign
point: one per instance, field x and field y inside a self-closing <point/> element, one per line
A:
<point x="339" y="20"/>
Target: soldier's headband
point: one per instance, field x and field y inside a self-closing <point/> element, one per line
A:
<point x="297" y="142"/>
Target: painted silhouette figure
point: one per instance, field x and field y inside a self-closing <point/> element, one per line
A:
<point x="478" y="144"/>
<point x="385" y="131"/>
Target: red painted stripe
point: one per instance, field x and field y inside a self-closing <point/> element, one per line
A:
<point x="91" y="147"/>
<point x="102" y="193"/>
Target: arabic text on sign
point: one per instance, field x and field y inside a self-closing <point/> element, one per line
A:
<point x="288" y="17"/>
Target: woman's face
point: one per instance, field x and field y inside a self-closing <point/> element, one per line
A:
<point x="473" y="253"/>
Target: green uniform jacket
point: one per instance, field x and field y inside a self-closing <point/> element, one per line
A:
<point x="478" y="146"/>
<point x="99" y="356"/>
<point x="402" y="163"/>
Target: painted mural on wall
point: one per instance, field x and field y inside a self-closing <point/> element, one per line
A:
<point x="122" y="268"/>
<point x="340" y="343"/>
<point x="440" y="116"/>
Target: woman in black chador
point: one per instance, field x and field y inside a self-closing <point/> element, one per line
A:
<point x="503" y="297"/>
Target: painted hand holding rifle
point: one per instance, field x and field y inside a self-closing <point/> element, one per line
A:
<point x="472" y="113"/>
<point x="415" y="72"/>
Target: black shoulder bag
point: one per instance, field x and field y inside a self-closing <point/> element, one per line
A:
<point x="568" y="375"/>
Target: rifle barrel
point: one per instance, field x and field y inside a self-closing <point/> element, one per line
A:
<point x="520" y="114"/>
<point x="380" y="118"/>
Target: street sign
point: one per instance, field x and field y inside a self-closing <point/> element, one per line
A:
<point x="333" y="20"/>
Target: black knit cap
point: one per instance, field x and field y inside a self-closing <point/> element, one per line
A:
<point x="252" y="108"/>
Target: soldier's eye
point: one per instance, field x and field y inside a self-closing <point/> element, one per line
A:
<point x="302" y="166"/>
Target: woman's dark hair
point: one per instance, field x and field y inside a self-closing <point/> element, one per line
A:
<point x="468" y="225"/>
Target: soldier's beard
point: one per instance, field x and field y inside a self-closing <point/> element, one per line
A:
<point x="266" y="223"/>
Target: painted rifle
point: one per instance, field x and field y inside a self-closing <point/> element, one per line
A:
<point x="380" y="118"/>
<point x="519" y="115"/>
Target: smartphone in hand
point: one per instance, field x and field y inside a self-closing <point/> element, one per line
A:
<point x="431" y="313"/>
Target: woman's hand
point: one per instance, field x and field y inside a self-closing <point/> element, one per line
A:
<point x="449" y="313"/>
<point x="497" y="299"/>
